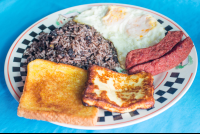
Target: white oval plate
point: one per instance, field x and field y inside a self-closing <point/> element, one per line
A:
<point x="170" y="86"/>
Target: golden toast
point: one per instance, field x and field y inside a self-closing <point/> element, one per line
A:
<point x="53" y="92"/>
<point x="118" y="92"/>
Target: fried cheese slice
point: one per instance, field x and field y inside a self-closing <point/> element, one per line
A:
<point x="118" y="92"/>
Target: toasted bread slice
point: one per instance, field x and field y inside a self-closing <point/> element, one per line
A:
<point x="118" y="92"/>
<point x="53" y="92"/>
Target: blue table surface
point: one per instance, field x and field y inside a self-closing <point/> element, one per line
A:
<point x="17" y="15"/>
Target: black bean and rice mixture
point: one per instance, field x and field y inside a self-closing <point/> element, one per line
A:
<point x="75" y="44"/>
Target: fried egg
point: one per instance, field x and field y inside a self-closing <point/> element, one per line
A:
<point x="126" y="28"/>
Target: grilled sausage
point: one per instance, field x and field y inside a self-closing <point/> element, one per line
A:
<point x="139" y="56"/>
<point x="168" y="61"/>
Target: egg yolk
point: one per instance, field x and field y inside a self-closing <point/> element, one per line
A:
<point x="138" y="27"/>
<point x="114" y="14"/>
